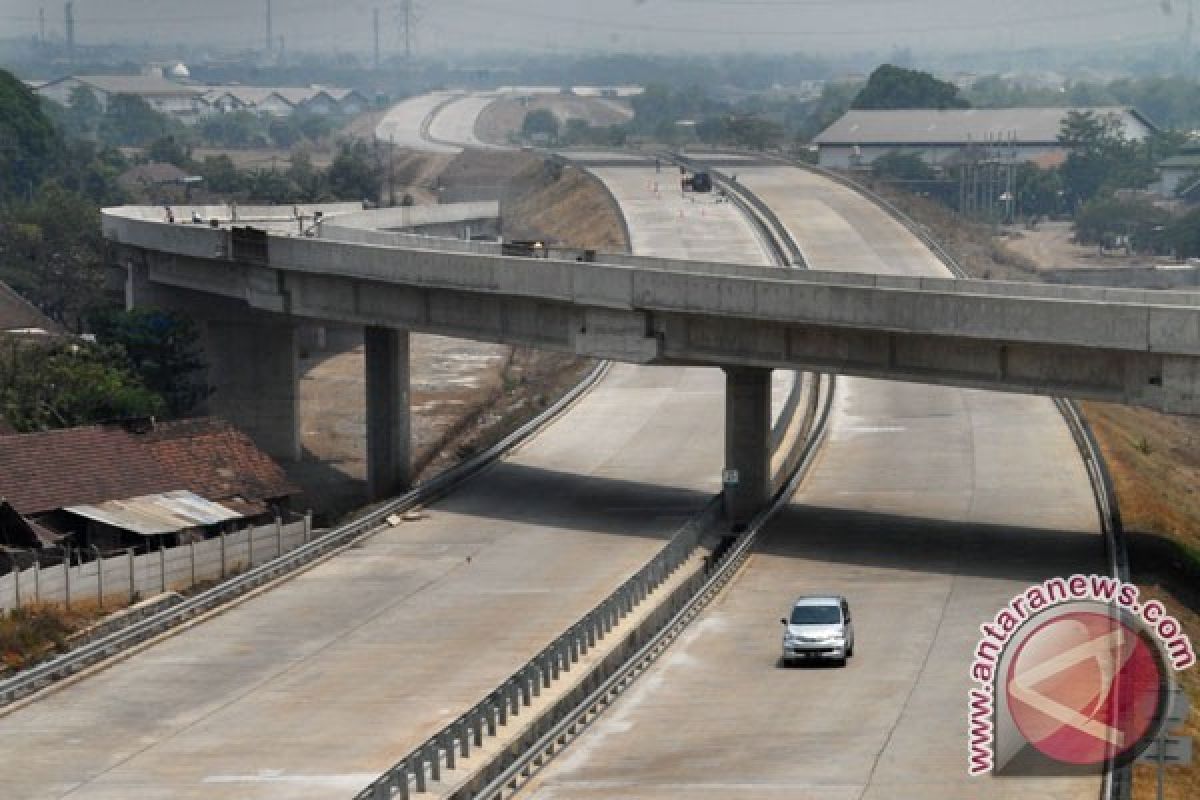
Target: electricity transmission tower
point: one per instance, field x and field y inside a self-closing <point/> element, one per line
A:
<point x="409" y="19"/>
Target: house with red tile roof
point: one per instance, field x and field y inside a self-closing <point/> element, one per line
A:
<point x="140" y="484"/>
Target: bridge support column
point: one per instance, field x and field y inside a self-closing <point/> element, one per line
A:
<point x="747" y="442"/>
<point x="388" y="428"/>
<point x="254" y="380"/>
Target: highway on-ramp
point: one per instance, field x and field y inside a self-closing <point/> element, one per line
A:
<point x="454" y="123"/>
<point x="929" y="508"/>
<point x="311" y="689"/>
<point x="406" y="123"/>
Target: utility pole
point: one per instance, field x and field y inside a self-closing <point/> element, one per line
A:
<point x="376" y="32"/>
<point x="270" y="38"/>
<point x="1188" y="31"/>
<point x="70" y="14"/>
<point x="408" y="21"/>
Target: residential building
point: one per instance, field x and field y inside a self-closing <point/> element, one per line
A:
<point x="942" y="137"/>
<point x="1179" y="175"/>
<point x="165" y="96"/>
<point x="138" y="485"/>
<point x="282" y="101"/>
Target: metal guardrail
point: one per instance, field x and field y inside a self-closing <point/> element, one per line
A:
<point x="1117" y="784"/>
<point x="425" y="763"/>
<point x="91" y="653"/>
<point x="572" y="713"/>
<point x="778" y="236"/>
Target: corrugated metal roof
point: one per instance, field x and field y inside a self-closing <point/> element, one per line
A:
<point x="957" y="126"/>
<point x="155" y="514"/>
<point x="136" y="84"/>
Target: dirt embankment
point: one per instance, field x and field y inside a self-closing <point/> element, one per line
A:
<point x="542" y="201"/>
<point x="465" y="395"/>
<point x="1154" y="459"/>
<point x="562" y="204"/>
<point x="500" y="121"/>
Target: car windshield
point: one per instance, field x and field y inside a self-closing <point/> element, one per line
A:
<point x="816" y="615"/>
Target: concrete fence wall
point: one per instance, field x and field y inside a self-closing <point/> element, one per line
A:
<point x="120" y="579"/>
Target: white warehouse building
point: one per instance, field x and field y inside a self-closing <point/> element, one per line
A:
<point x="942" y="138"/>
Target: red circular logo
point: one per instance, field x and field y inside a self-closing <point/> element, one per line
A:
<point x="1085" y="688"/>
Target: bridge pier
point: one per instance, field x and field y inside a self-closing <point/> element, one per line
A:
<point x="254" y="379"/>
<point x="747" y="442"/>
<point x="389" y="457"/>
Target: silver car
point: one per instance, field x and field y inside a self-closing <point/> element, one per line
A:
<point x="819" y="626"/>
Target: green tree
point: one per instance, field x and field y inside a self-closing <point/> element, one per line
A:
<point x="51" y="251"/>
<point x="540" y="122"/>
<point x="895" y="87"/>
<point x="1135" y="223"/>
<point x="311" y="183"/>
<point x="270" y="186"/>
<point x="1038" y="191"/>
<point x="170" y="150"/>
<point x="162" y="349"/>
<point x="1102" y="159"/>
<point x="354" y="174"/>
<point x="904" y="167"/>
<point x="756" y="133"/>
<point x="1184" y="235"/>
<point x="83" y="112"/>
<point x="235" y="129"/>
<point x="130" y="120"/>
<point x="221" y="175"/>
<point x="29" y="143"/>
<point x="66" y="383"/>
<point x="284" y="132"/>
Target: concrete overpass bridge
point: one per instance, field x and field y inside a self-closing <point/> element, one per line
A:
<point x="914" y="479"/>
<point x="252" y="286"/>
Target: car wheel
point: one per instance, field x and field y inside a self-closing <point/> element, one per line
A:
<point x="841" y="662"/>
<point x="850" y="651"/>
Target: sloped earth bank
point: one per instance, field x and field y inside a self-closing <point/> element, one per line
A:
<point x="1154" y="459"/>
<point x="465" y="395"/>
<point x="504" y="118"/>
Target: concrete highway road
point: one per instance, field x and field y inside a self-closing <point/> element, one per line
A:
<point x="454" y="124"/>
<point x="403" y="125"/>
<point x="929" y="508"/>
<point x="311" y="689"/>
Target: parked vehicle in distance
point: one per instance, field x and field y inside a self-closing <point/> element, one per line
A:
<point x="819" y="626"/>
<point x="700" y="182"/>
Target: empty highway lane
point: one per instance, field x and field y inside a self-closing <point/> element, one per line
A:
<point x="311" y="689"/>
<point x="929" y="508"/>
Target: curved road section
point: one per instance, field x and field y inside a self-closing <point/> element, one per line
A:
<point x="406" y="123"/>
<point x="928" y="508"/>
<point x="453" y="125"/>
<point x="313" y="688"/>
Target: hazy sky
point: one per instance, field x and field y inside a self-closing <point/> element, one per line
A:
<point x="632" y="25"/>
